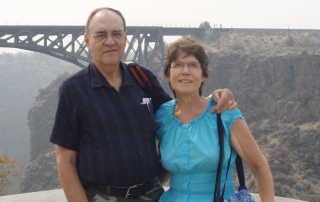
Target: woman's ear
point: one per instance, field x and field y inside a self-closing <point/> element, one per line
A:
<point x="203" y="79"/>
<point x="168" y="77"/>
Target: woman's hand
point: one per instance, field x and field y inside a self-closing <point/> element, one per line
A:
<point x="224" y="99"/>
<point x="243" y="142"/>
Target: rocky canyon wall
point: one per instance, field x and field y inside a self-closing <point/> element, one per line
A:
<point x="278" y="92"/>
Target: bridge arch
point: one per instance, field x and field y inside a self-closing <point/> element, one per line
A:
<point x="145" y="45"/>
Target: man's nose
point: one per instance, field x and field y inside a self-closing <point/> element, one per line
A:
<point x="109" y="40"/>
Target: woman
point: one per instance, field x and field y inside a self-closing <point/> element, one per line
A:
<point x="188" y="136"/>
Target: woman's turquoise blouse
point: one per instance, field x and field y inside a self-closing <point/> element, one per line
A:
<point x="191" y="153"/>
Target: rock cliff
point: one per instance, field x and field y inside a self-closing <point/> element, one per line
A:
<point x="277" y="87"/>
<point x="41" y="171"/>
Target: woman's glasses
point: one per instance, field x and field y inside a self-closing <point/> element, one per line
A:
<point x="192" y="66"/>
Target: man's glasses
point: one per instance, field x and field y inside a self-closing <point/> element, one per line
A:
<point x="192" y="66"/>
<point x="116" y="36"/>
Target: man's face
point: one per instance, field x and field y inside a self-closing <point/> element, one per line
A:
<point x="110" y="50"/>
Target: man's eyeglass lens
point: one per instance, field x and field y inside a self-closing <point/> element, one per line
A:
<point x="116" y="36"/>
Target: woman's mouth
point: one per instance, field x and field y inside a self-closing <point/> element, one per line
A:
<point x="185" y="81"/>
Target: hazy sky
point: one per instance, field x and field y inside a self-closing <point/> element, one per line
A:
<point x="298" y="14"/>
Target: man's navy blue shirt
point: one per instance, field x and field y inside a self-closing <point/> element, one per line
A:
<point x="112" y="132"/>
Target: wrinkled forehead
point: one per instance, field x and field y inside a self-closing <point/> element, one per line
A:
<point x="106" y="19"/>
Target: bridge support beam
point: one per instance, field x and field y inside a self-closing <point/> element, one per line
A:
<point x="67" y="42"/>
<point x="147" y="47"/>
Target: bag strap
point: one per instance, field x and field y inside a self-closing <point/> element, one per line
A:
<point x="240" y="173"/>
<point x="140" y="77"/>
<point x="241" y="178"/>
<point x="224" y="186"/>
<point x="217" y="197"/>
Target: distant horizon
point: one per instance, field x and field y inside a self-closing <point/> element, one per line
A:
<point x="251" y="14"/>
<point x="176" y="25"/>
<point x="168" y="39"/>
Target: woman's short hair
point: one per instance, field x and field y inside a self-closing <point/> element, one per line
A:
<point x="191" y="45"/>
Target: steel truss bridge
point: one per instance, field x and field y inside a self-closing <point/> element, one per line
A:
<point x="146" y="44"/>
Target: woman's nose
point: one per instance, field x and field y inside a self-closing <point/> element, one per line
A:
<point x="185" y="69"/>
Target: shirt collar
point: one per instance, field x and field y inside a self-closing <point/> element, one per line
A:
<point x="98" y="80"/>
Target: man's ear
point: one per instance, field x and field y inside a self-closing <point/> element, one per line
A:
<point x="86" y="39"/>
<point x="125" y="36"/>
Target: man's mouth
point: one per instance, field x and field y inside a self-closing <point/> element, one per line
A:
<point x="109" y="51"/>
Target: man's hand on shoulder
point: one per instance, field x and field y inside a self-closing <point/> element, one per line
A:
<point x="224" y="99"/>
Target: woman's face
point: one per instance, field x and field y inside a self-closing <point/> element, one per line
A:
<point x="186" y="74"/>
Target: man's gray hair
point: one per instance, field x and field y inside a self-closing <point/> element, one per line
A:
<point x="104" y="8"/>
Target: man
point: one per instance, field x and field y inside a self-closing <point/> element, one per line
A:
<point x="104" y="136"/>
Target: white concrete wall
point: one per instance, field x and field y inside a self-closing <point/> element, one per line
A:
<point x="57" y="195"/>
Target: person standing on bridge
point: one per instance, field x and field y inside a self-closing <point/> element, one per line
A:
<point x="104" y="136"/>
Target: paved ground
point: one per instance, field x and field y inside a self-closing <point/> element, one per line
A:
<point x="57" y="195"/>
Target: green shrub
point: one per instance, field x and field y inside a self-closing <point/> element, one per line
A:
<point x="290" y="41"/>
<point x="304" y="52"/>
<point x="205" y="24"/>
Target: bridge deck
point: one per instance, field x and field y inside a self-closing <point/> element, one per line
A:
<point x="67" y="42"/>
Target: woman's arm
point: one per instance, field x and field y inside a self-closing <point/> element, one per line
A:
<point x="243" y="142"/>
<point x="165" y="176"/>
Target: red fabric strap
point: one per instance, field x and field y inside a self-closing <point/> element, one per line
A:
<point x="144" y="76"/>
<point x="134" y="73"/>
